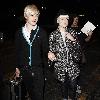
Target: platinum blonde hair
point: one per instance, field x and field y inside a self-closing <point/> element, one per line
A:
<point x="29" y="9"/>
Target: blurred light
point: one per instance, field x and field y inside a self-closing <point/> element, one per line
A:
<point x="42" y="7"/>
<point x="45" y="8"/>
<point x="81" y="15"/>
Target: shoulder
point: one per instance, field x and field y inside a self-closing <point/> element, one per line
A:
<point x="42" y="29"/>
<point x="42" y="33"/>
<point x="54" y="32"/>
<point x="18" y="32"/>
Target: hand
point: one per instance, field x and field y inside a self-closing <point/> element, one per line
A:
<point x="89" y="33"/>
<point x="69" y="36"/>
<point x="17" y="73"/>
<point x="51" y="56"/>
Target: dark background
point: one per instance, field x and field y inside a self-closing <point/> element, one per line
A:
<point x="11" y="13"/>
<point x="11" y="17"/>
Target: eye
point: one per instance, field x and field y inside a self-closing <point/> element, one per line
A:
<point x="31" y="15"/>
<point x="67" y="18"/>
<point x="35" y="15"/>
<point x="62" y="19"/>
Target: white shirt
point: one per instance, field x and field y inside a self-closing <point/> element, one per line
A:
<point x="26" y="34"/>
<point x="63" y="36"/>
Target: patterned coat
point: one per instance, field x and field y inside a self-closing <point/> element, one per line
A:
<point x="67" y="55"/>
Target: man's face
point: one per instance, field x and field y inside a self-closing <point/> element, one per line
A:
<point x="63" y="20"/>
<point x="32" y="17"/>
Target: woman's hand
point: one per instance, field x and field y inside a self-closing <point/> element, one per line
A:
<point x="89" y="33"/>
<point x="51" y="56"/>
<point x="69" y="36"/>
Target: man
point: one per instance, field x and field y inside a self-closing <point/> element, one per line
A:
<point x="65" y="53"/>
<point x="32" y="49"/>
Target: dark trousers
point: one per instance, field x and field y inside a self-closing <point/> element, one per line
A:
<point x="34" y="83"/>
<point x="69" y="88"/>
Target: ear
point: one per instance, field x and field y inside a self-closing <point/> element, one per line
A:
<point x="25" y="15"/>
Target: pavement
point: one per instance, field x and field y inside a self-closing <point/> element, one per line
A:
<point x="90" y="72"/>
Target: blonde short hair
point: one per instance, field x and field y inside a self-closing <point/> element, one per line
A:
<point x="30" y="8"/>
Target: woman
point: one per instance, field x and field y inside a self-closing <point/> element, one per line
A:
<point x="65" y="52"/>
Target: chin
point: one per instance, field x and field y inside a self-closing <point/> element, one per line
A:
<point x="33" y="24"/>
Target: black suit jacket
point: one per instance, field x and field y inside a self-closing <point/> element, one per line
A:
<point x="39" y="49"/>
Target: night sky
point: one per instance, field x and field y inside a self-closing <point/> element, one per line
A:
<point x="49" y="8"/>
<point x="11" y="13"/>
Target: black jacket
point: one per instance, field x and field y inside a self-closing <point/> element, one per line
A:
<point x="39" y="49"/>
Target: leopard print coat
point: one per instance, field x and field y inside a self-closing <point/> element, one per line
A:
<point x="67" y="56"/>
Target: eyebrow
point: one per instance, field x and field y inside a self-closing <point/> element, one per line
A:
<point x="34" y="14"/>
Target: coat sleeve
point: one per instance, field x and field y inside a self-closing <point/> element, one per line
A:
<point x="45" y="49"/>
<point x="52" y="43"/>
<point x="17" y="49"/>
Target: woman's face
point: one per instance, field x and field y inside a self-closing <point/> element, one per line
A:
<point x="63" y="20"/>
<point x="75" y="21"/>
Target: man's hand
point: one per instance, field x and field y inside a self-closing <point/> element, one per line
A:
<point x="17" y="72"/>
